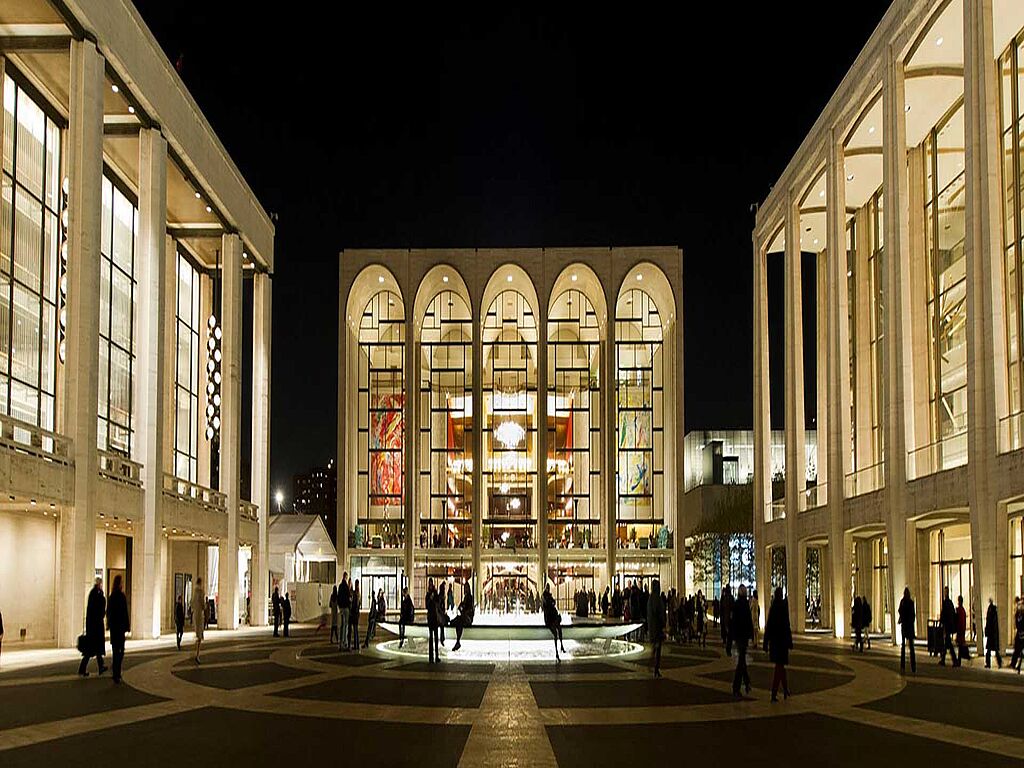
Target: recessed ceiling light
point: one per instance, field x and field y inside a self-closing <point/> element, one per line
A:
<point x="444" y="279"/>
<point x="940" y="41"/>
<point x="509" y="278"/>
<point x="849" y="177"/>
<point x="822" y="193"/>
<point x="114" y="88"/>
<point x="574" y="278"/>
<point x="198" y="195"/>
<point x="640" y="277"/>
<point x="815" y="241"/>
<point x="380" y="279"/>
<point x="907" y="108"/>
<point x="849" y="273"/>
<point x="131" y="110"/>
<point x="871" y="129"/>
<point x="209" y="209"/>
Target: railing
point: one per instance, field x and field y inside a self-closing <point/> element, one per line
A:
<point x="248" y="511"/>
<point x="865" y="480"/>
<point x="943" y="454"/>
<point x="1011" y="432"/>
<point x="815" y="496"/>
<point x="775" y="510"/>
<point x="22" y="437"/>
<point x="122" y="470"/>
<point x="194" y="493"/>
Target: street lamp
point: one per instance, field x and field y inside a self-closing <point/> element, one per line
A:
<point x="279" y="498"/>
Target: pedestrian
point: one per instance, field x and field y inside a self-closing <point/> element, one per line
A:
<point x="1" y="632"/>
<point x="353" y="621"/>
<point x="741" y="630"/>
<point x="992" y="642"/>
<point x="92" y="642"/>
<point x="450" y="605"/>
<point x="467" y="610"/>
<point x="947" y="618"/>
<point x="286" y="608"/>
<point x="275" y="603"/>
<point x="179" y="620"/>
<point x="344" y="604"/>
<point x="430" y="605"/>
<point x="725" y="608"/>
<point x="118" y="623"/>
<point x="378" y="613"/>
<point x="406" y="615"/>
<point x="908" y="629"/>
<point x="656" y="623"/>
<point x="700" y="608"/>
<point x="1018" y="636"/>
<point x="606" y="602"/>
<point x="778" y="640"/>
<point x="334" y="614"/>
<point x="442" y="616"/>
<point x="552" y="619"/>
<point x="755" y="617"/>
<point x="961" y="630"/>
<point x="865" y="623"/>
<point x="857" y="622"/>
<point x="199" y="614"/>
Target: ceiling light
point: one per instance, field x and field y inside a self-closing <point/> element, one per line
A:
<point x="444" y="279"/>
<point x="939" y="41"/>
<point x="871" y="129"/>
<point x="209" y="209"/>
<point x="849" y="177"/>
<point x="640" y="277"/>
<point x="815" y="241"/>
<point x="114" y="88"/>
<point x="822" y="193"/>
<point x="574" y="278"/>
<point x="508" y="279"/>
<point x="198" y="195"/>
<point x="907" y="108"/>
<point x="849" y="273"/>
<point x="380" y="279"/>
<point x="131" y="110"/>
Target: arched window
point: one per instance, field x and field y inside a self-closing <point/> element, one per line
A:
<point x="510" y="425"/>
<point x="381" y="414"/>
<point x="639" y="414"/>
<point x="446" y="423"/>
<point x="574" y="445"/>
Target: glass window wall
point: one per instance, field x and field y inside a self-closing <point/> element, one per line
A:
<point x="186" y="371"/>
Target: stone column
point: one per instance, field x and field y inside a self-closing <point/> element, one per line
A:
<point x="897" y="421"/>
<point x="610" y="444"/>
<point x="479" y="497"/>
<point x="151" y="375"/>
<point x="863" y="375"/>
<point x="81" y="376"/>
<point x="679" y="467"/>
<point x="260" y="482"/>
<point x="230" y="426"/>
<point x="344" y="460"/>
<point x="541" y="495"/>
<point x="839" y="392"/>
<point x="796" y="454"/>
<point x="822" y="425"/>
<point x="411" y="388"/>
<point x="762" y="421"/>
<point x="986" y="342"/>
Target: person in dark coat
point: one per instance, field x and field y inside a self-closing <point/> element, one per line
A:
<point x="442" y="610"/>
<point x="286" y="608"/>
<point x="865" y="622"/>
<point x="961" y="630"/>
<point x="118" y="623"/>
<point x="725" y="608"/>
<point x="741" y="631"/>
<point x="467" y="610"/>
<point x="778" y="640"/>
<point x="1" y="631"/>
<point x="1018" y="635"/>
<point x="344" y="606"/>
<point x="656" y="623"/>
<point x="406" y="615"/>
<point x="908" y="629"/>
<point x="353" y="622"/>
<point x="992" y="642"/>
<point x="552" y="619"/>
<point x="430" y="605"/>
<point x="606" y="602"/>
<point x="179" y="620"/>
<point x="857" y="622"/>
<point x="275" y="602"/>
<point x="947" y="618"/>
<point x="95" y="610"/>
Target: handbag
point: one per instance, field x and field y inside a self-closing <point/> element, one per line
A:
<point x="83" y="645"/>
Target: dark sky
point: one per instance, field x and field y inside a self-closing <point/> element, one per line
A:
<point x="377" y="128"/>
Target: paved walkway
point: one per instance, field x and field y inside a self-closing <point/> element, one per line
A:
<point x="259" y="700"/>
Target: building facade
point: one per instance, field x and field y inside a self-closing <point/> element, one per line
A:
<point x="459" y="369"/>
<point x="128" y="240"/>
<point x="316" y="493"/>
<point x="907" y="192"/>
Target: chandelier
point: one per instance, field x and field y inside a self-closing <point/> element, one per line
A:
<point x="510" y="434"/>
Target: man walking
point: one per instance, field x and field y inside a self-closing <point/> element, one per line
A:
<point x="179" y="620"/>
<point x="275" y="603"/>
<point x="199" y="615"/>
<point x="344" y="603"/>
<point x="947" y="618"/>
<point x="286" y="606"/>
<point x="406" y="615"/>
<point x="908" y="628"/>
<point x="725" y="610"/>
<point x="741" y="631"/>
<point x="118" y="623"/>
<point x="992" y="636"/>
<point x="93" y="643"/>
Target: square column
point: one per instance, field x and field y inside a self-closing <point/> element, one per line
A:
<point x="477" y="437"/>
<point x="796" y="452"/>
<point x="230" y="426"/>
<point x="838" y="389"/>
<point x="897" y="420"/>
<point x="986" y="339"/>
<point x="411" y="388"/>
<point x="674" y="453"/>
<point x="260" y="484"/>
<point x="344" y="459"/>
<point x="541" y="494"/>
<point x="81" y="373"/>
<point x="152" y="375"/>
<point x="608" y="416"/>
<point x="762" y="491"/>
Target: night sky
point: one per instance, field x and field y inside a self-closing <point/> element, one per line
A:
<point x="376" y="128"/>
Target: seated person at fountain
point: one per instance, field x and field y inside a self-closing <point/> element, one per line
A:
<point x="465" y="618"/>
<point x="552" y="619"/>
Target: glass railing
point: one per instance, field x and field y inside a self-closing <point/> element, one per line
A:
<point x="865" y="480"/>
<point x="775" y="510"/>
<point x="1011" y="432"/>
<point x="943" y="454"/>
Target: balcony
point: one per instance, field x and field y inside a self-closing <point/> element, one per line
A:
<point x="775" y="510"/>
<point x="193" y="493"/>
<point x="248" y="511"/>
<point x="115" y="467"/>
<point x="814" y="496"/>
<point x="865" y="480"/>
<point x="21" y="437"/>
<point x="1011" y="432"/>
<point x="35" y="464"/>
<point x="947" y="453"/>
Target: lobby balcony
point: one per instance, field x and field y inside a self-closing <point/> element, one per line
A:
<point x="36" y="465"/>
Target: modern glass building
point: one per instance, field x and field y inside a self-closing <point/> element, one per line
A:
<point x="907" y="192"/>
<point x="128" y="239"/>
<point x="510" y="417"/>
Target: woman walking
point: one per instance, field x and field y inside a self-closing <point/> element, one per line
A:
<point x="442" y="616"/>
<point x="199" y="614"/>
<point x="552" y="619"/>
<point x="353" y="625"/>
<point x="656" y="623"/>
<point x="778" y="639"/>
<point x="92" y="643"/>
<point x="430" y="604"/>
<point x="118" y="623"/>
<point x="334" y="614"/>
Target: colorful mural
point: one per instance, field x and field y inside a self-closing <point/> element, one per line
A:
<point x="386" y="449"/>
<point x="635" y="441"/>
